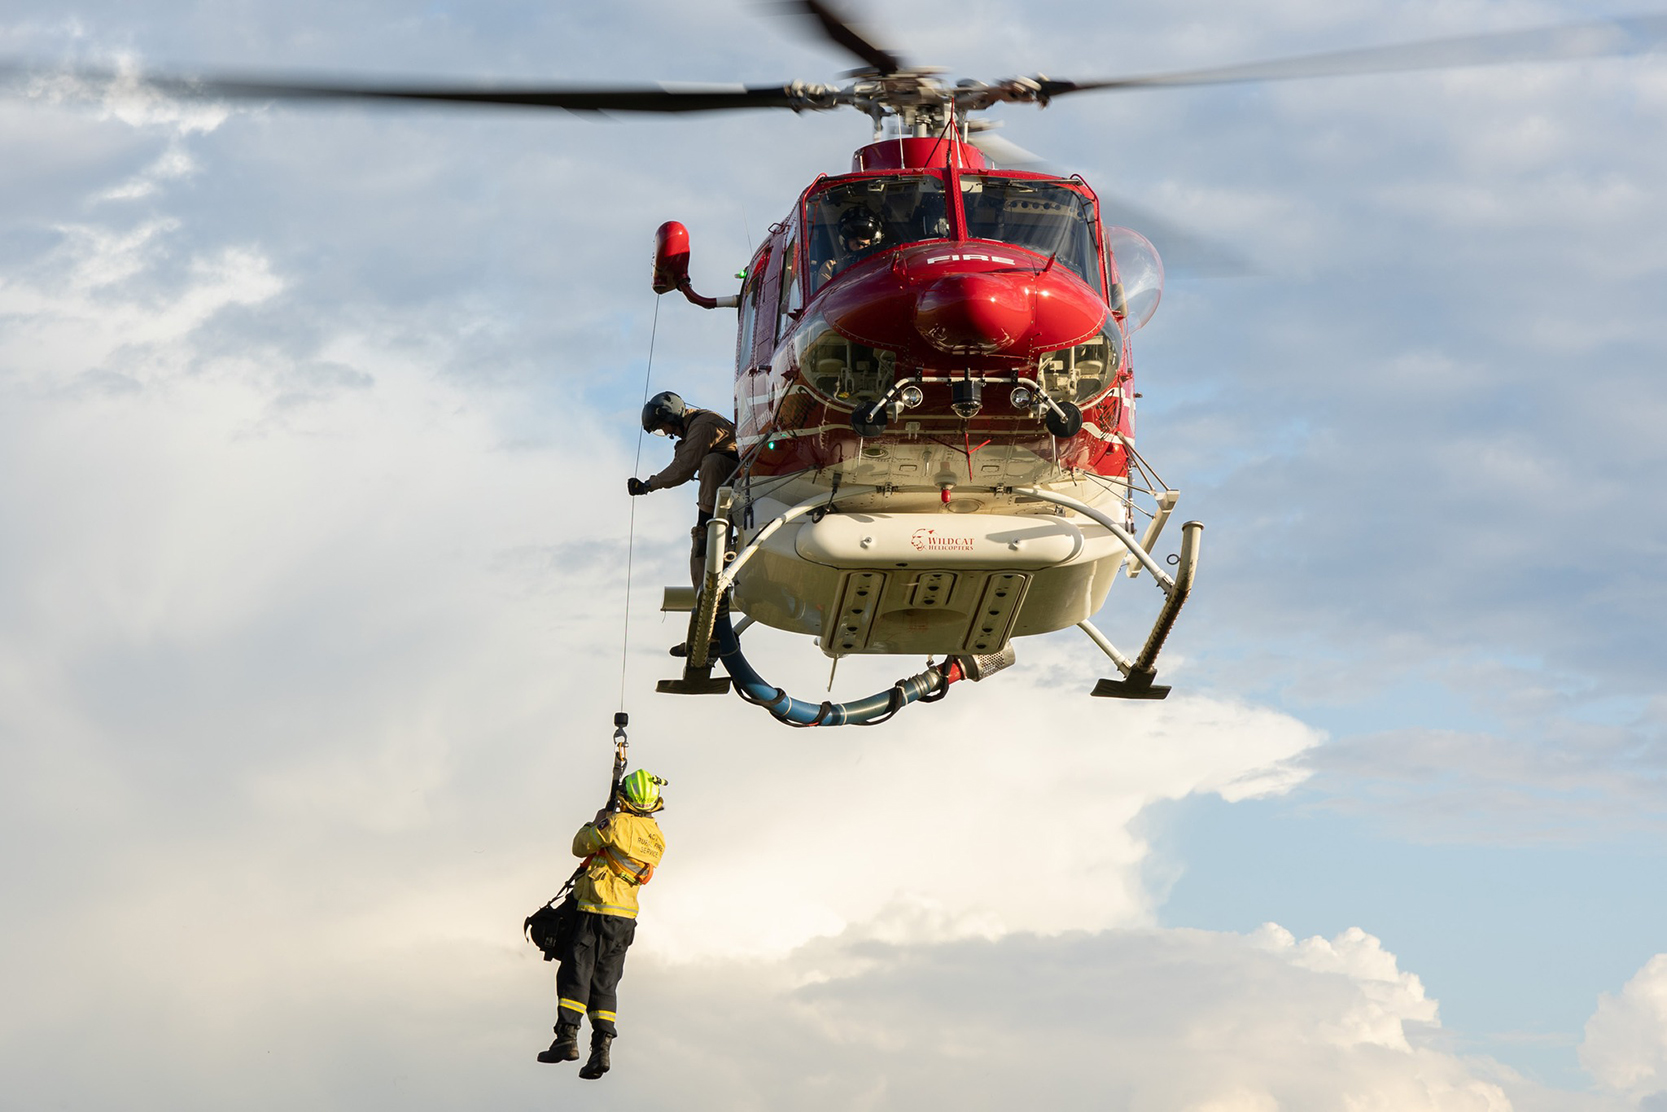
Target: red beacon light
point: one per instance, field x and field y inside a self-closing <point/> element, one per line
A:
<point x="671" y="267"/>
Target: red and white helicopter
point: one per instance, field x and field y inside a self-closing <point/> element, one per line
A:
<point x="934" y="385"/>
<point x="936" y="416"/>
<point x="934" y="403"/>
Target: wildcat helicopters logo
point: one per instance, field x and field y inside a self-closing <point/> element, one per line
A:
<point x="927" y="540"/>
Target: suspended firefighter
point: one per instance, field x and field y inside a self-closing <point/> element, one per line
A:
<point x="621" y="850"/>
<point x="705" y="449"/>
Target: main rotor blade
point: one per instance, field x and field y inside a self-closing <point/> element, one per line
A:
<point x="1008" y="155"/>
<point x="839" y="28"/>
<point x="1185" y="253"/>
<point x="1627" y="35"/>
<point x="663" y="98"/>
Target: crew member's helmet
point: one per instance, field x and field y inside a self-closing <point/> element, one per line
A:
<point x="664" y="408"/>
<point x="860" y="225"/>
<point x="641" y="791"/>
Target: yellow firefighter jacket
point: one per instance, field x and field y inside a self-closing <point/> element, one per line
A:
<point x="623" y="855"/>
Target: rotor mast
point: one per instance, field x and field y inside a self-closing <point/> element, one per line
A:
<point x="921" y="103"/>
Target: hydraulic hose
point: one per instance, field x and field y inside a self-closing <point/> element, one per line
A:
<point x="930" y="685"/>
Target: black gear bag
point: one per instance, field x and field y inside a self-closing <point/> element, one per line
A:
<point x="550" y="927"/>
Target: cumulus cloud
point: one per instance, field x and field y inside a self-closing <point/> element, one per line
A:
<point x="1626" y="1038"/>
<point x="1149" y="1020"/>
<point x="310" y="585"/>
<point x="385" y="520"/>
<point x="1000" y="811"/>
<point x="306" y="693"/>
<point x="1128" y="1019"/>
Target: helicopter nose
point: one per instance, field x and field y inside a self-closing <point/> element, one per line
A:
<point x="974" y="314"/>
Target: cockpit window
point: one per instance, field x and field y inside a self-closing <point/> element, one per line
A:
<point x="1049" y="218"/>
<point x="850" y="221"/>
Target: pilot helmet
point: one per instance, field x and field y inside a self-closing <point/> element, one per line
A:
<point x="860" y="224"/>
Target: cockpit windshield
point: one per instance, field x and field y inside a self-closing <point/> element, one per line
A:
<point x="850" y="221"/>
<point x="1049" y="218"/>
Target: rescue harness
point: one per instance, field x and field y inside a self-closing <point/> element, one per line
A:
<point x="622" y="864"/>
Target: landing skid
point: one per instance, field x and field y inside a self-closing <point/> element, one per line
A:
<point x="703" y="615"/>
<point x="1139" y="673"/>
<point x="699" y="681"/>
<point x="1129" y="689"/>
<point x="697" y="676"/>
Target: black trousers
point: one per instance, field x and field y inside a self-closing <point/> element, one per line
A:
<point x="587" y="981"/>
<point x="715" y="470"/>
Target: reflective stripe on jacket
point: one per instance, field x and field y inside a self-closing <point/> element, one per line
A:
<point x="623" y="856"/>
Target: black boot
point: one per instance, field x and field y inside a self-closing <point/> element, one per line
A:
<point x="598" y="1064"/>
<point x="566" y="1046"/>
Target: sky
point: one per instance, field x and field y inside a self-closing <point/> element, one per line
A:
<point x="314" y="425"/>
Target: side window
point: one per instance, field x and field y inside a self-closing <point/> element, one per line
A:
<point x="791" y="298"/>
<point x="749" y="314"/>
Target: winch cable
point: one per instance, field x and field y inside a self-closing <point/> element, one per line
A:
<point x="621" y="720"/>
<point x="928" y="686"/>
<point x="631" y="528"/>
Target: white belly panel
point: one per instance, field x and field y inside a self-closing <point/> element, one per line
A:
<point x="858" y="540"/>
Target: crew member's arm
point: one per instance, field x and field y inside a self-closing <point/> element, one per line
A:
<point x="587" y="841"/>
<point x="702" y="436"/>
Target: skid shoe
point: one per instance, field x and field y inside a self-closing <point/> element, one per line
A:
<point x="697" y="678"/>
<point x="1134" y="686"/>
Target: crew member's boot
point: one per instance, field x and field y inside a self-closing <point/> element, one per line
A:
<point x="598" y="1064"/>
<point x="697" y="549"/>
<point x="697" y="576"/>
<point x="566" y="1046"/>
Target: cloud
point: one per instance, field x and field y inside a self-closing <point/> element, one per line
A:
<point x="1626" y="1038"/>
<point x="311" y="543"/>
<point x="996" y="811"/>
<point x="308" y="668"/>
<point x="1128" y="1019"/>
<point x="174" y="163"/>
<point x="121" y="94"/>
<point x="372" y="550"/>
<point x="1149" y="1020"/>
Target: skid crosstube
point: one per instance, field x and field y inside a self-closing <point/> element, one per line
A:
<point x="1137" y="674"/>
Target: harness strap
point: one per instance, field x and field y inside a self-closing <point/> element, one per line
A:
<point x="624" y="865"/>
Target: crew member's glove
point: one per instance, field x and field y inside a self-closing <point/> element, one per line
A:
<point x="636" y="485"/>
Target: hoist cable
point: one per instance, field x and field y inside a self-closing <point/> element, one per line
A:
<point x="631" y="528"/>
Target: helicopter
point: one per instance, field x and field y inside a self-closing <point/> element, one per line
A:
<point x="935" y="415"/>
<point x="936" y="424"/>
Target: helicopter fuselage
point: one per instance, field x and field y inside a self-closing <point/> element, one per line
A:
<point x="974" y="348"/>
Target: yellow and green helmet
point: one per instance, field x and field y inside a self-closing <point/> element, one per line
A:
<point x="641" y="791"/>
